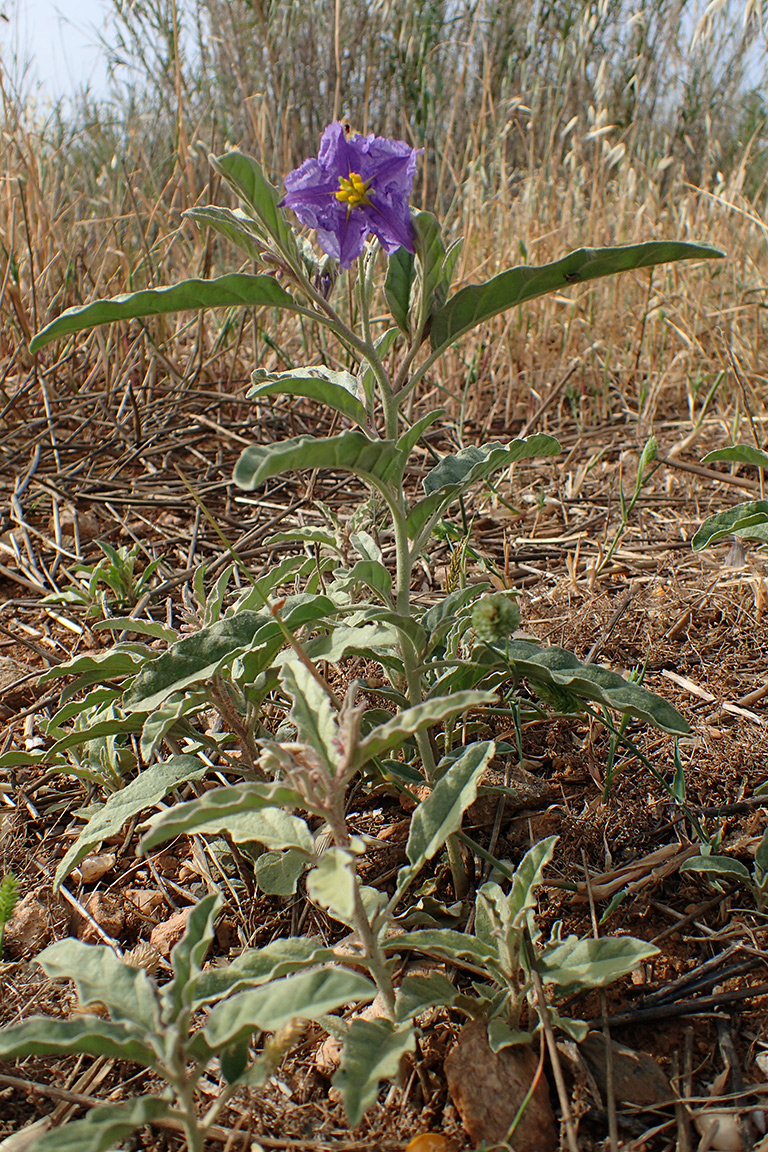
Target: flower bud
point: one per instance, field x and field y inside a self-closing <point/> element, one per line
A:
<point x="495" y="617"/>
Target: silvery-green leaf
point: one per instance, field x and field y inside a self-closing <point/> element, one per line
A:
<point x="305" y="996"/>
<point x="256" y="966"/>
<point x="143" y="792"/>
<point x="397" y="287"/>
<point x="444" y="943"/>
<point x="196" y="658"/>
<point x="476" y="463"/>
<point x="748" y="520"/>
<point x="332" y="884"/>
<point x="500" y="1035"/>
<point x="440" y="815"/>
<point x="188" y="955"/>
<point x="89" y="1035"/>
<point x="345" y="640"/>
<point x="236" y="289"/>
<point x="215" y="810"/>
<point x="412" y="720"/>
<point x="104" y="1127"/>
<point x="479" y="302"/>
<point x="235" y="225"/>
<point x="101" y="977"/>
<point x="739" y="454"/>
<point x="277" y="873"/>
<point x="410" y="439"/>
<point x="371" y="1053"/>
<point x="591" y="963"/>
<point x="417" y="993"/>
<point x="337" y="390"/>
<point x="557" y="668"/>
<point x="160" y="722"/>
<point x="717" y="866"/>
<point x="350" y="451"/>
<point x="259" y="196"/>
<point x="311" y="712"/>
<point x="369" y="572"/>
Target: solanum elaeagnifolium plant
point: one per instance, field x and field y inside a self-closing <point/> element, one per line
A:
<point x="281" y="791"/>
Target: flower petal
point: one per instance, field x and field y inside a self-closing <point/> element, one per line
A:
<point x="386" y="167"/>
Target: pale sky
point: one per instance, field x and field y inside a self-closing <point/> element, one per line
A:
<point x="60" y="38"/>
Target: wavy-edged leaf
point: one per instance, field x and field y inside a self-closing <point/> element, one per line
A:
<point x="104" y="1127"/>
<point x="333" y="884"/>
<point x="221" y="808"/>
<point x="478" y="462"/>
<point x="312" y="713"/>
<point x="260" y="197"/>
<point x="360" y="638"/>
<point x="500" y="917"/>
<point x="235" y="225"/>
<point x="235" y="290"/>
<point x="370" y="573"/>
<point x="717" y="866"/>
<point x="455" y="474"/>
<point x="748" y="520"/>
<point x="113" y="664"/>
<point x="337" y="390"/>
<point x="558" y="668"/>
<point x="371" y="1053"/>
<point x="412" y="720"/>
<point x="578" y="964"/>
<point x="146" y="790"/>
<point x="366" y="375"/>
<point x="188" y="955"/>
<point x="417" y="993"/>
<point x="410" y="439"/>
<point x="120" y="726"/>
<point x="257" y="966"/>
<point x="430" y="251"/>
<point x="739" y="454"/>
<point x="195" y="659"/>
<point x="305" y="995"/>
<point x="89" y="1035"/>
<point x="350" y="451"/>
<point x="439" y="816"/>
<point x="160" y="722"/>
<point x="397" y="287"/>
<point x="101" y="977"/>
<point x="444" y="943"/>
<point x="477" y="303"/>
<point x="278" y="873"/>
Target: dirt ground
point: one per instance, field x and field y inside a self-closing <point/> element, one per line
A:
<point x="697" y="622"/>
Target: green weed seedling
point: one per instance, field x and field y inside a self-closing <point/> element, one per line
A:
<point x="9" y="896"/>
<point x="714" y="867"/>
<point x="747" y="521"/>
<point x="260" y="651"/>
<point x="112" y="585"/>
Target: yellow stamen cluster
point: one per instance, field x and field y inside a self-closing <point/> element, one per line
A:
<point x="354" y="191"/>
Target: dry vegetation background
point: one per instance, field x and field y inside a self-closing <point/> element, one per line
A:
<point x="545" y="127"/>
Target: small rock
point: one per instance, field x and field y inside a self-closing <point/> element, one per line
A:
<point x="28" y="930"/>
<point x="328" y="1055"/>
<point x="166" y="936"/>
<point x="92" y="868"/>
<point x="637" y="1078"/>
<point x="720" y="1131"/>
<point x="488" y="1088"/>
<point x="108" y="912"/>
<point x="143" y="900"/>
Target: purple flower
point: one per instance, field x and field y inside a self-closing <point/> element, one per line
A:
<point x="357" y="185"/>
